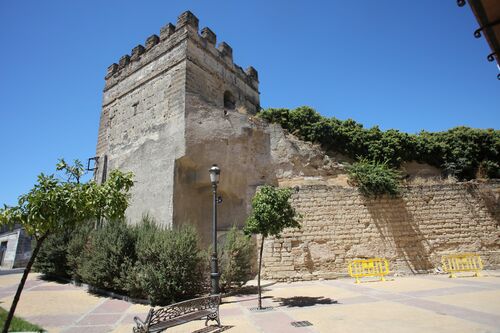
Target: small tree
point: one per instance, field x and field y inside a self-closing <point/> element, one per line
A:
<point x="271" y="213"/>
<point x="54" y="205"/>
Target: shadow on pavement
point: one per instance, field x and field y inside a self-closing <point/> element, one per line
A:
<point x="247" y="290"/>
<point x="302" y="301"/>
<point x="213" y="329"/>
<point x="11" y="271"/>
<point x="244" y="300"/>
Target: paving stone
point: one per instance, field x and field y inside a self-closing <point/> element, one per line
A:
<point x="89" y="329"/>
<point x="112" y="306"/>
<point x="99" y="319"/>
<point x="60" y="320"/>
<point x="415" y="304"/>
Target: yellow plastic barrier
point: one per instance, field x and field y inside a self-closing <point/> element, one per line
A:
<point x="368" y="267"/>
<point x="462" y="262"/>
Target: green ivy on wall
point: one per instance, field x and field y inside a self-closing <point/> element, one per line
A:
<point x="462" y="152"/>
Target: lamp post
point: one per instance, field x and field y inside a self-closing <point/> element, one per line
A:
<point x="214" y="266"/>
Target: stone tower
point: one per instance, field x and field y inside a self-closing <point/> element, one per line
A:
<point x="171" y="109"/>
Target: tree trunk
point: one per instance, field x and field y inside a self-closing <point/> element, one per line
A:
<point x="258" y="275"/>
<point x="21" y="284"/>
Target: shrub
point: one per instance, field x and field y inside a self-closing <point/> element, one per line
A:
<point x="108" y="250"/>
<point x="133" y="280"/>
<point x="374" y="178"/>
<point x="51" y="259"/>
<point x="169" y="264"/>
<point x="61" y="253"/>
<point x="489" y="169"/>
<point x="78" y="243"/>
<point x="236" y="259"/>
<point x="144" y="261"/>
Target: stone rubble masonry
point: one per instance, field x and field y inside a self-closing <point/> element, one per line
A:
<point x="178" y="104"/>
<point x="412" y="231"/>
<point x="164" y="117"/>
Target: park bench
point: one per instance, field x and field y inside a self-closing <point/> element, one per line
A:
<point x="159" y="319"/>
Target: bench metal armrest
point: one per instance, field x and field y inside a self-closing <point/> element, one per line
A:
<point x="142" y="326"/>
<point x="139" y="322"/>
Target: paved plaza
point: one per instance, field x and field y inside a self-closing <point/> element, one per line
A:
<point x="422" y="303"/>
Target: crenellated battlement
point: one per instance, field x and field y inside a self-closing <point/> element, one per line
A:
<point x="170" y="37"/>
<point x="173" y="106"/>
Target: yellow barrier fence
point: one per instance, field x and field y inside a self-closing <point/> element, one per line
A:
<point x="368" y="267"/>
<point x="462" y="262"/>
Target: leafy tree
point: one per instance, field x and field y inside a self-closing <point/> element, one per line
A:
<point x="271" y="213"/>
<point x="54" y="205"/>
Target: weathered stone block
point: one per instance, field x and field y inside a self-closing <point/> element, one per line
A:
<point x="209" y="36"/>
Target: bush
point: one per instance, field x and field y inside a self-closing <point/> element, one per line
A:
<point x="236" y="259"/>
<point x="51" y="259"/>
<point x="77" y="245"/>
<point x="110" y="249"/>
<point x="374" y="178"/>
<point x="489" y="169"/>
<point x="144" y="261"/>
<point x="169" y="264"/>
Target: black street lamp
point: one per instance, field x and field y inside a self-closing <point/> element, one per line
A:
<point x="214" y="265"/>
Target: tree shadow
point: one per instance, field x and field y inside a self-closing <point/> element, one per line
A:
<point x="489" y="197"/>
<point x="395" y="223"/>
<point x="213" y="329"/>
<point x="244" y="300"/>
<point x="303" y="301"/>
<point x="243" y="291"/>
<point x="56" y="279"/>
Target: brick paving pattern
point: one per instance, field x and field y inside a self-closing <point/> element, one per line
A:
<point x="403" y="304"/>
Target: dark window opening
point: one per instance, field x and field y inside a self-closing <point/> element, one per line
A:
<point x="229" y="100"/>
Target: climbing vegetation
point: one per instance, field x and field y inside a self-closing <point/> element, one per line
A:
<point x="462" y="152"/>
<point x="374" y="178"/>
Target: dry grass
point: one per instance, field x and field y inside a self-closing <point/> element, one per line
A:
<point x="431" y="180"/>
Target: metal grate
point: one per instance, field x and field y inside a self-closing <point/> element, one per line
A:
<point x="303" y="323"/>
<point x="264" y="309"/>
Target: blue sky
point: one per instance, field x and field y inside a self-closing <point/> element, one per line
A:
<point x="408" y="65"/>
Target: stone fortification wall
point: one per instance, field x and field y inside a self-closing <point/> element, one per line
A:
<point x="175" y="106"/>
<point x="178" y="104"/>
<point x="142" y="120"/>
<point x="220" y="101"/>
<point x="412" y="231"/>
<point x="144" y="126"/>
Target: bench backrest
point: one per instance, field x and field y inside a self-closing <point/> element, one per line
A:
<point x="182" y="308"/>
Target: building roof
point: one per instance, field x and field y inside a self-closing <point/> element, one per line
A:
<point x="487" y="13"/>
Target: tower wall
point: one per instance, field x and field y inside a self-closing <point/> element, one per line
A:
<point x="171" y="109"/>
<point x="220" y="134"/>
<point x="142" y="121"/>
